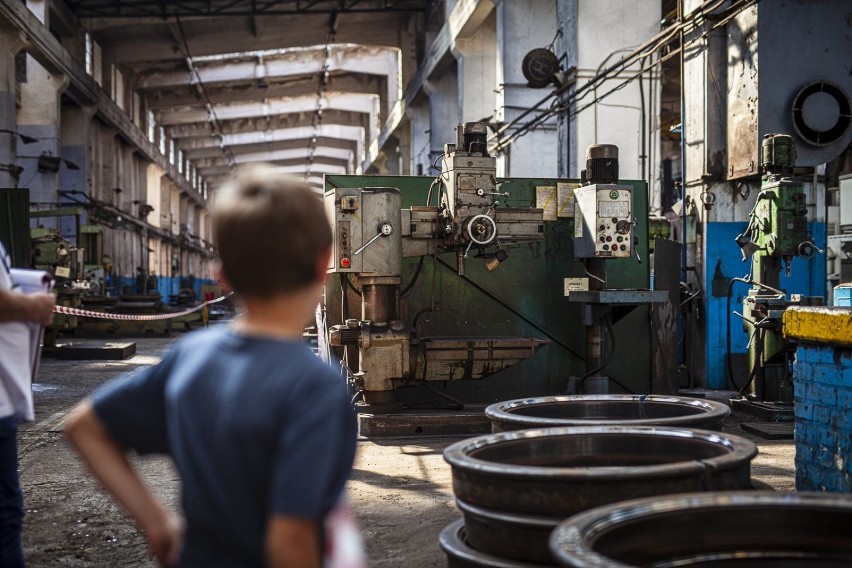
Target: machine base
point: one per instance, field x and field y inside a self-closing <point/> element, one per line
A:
<point x="93" y="350"/>
<point x="770" y="430"/>
<point x="767" y="411"/>
<point x="467" y="422"/>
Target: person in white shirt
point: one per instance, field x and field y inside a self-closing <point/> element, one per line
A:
<point x="16" y="310"/>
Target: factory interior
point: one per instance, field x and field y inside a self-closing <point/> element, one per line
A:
<point x="590" y="286"/>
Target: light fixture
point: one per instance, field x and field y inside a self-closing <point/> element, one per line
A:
<point x="24" y="138"/>
<point x="48" y="163"/>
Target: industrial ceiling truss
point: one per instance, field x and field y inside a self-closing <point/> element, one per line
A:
<point x="197" y="8"/>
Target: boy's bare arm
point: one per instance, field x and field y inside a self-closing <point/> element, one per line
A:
<point x="292" y="543"/>
<point x="108" y="462"/>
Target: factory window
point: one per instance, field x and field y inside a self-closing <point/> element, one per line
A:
<point x="93" y="59"/>
<point x="90" y="55"/>
<point x="179" y="160"/>
<point x="172" y="152"/>
<point x="163" y="141"/>
<point x="136" y="109"/>
<point x="152" y="127"/>
<point x="117" y="86"/>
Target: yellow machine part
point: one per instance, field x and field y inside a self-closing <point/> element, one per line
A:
<point x="830" y="326"/>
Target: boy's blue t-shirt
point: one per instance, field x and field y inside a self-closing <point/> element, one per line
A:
<point x="257" y="427"/>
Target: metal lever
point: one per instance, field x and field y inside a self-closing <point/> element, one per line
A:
<point x="482" y="192"/>
<point x="385" y="229"/>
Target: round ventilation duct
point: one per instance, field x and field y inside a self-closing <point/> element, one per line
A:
<point x="821" y="113"/>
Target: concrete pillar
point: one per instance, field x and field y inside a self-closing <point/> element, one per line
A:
<point x="521" y="27"/>
<point x="566" y="47"/>
<point x="10" y="43"/>
<point x="74" y="133"/>
<point x="39" y="117"/>
<point x="388" y="162"/>
<point x="476" y="64"/>
<point x="403" y="151"/>
<point x="594" y="36"/>
<point x="418" y="118"/>
<point x="444" y="112"/>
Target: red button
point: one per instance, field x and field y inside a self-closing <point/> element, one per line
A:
<point x="344" y="262"/>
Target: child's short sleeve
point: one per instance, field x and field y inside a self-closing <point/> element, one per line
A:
<point x="314" y="455"/>
<point x="132" y="408"/>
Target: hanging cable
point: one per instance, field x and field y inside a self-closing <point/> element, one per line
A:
<point x="698" y="17"/>
<point x="322" y="88"/>
<point x="214" y="122"/>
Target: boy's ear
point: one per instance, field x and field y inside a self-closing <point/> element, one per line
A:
<point x="322" y="264"/>
<point x="223" y="280"/>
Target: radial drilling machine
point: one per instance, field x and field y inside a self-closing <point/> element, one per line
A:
<point x="777" y="232"/>
<point x="372" y="234"/>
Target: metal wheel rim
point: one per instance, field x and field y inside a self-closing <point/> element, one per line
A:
<point x="502" y="411"/>
<point x="571" y="543"/>
<point x="740" y="449"/>
<point x="453" y="544"/>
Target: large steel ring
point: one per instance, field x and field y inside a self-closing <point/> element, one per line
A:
<point x="607" y="409"/>
<point x="509" y="535"/>
<point x="562" y="471"/>
<point x="460" y="554"/>
<point x="769" y="530"/>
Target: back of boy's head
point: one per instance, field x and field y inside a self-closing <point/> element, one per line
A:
<point x="271" y="231"/>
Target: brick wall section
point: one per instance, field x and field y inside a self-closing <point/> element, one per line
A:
<point x="823" y="410"/>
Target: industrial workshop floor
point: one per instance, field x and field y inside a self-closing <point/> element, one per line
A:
<point x="401" y="489"/>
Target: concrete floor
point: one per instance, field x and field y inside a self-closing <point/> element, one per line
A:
<point x="401" y="489"/>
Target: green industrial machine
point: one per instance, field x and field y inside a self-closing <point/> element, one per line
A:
<point x="463" y="294"/>
<point x="776" y="233"/>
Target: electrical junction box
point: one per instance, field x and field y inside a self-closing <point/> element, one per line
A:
<point x="845" y="203"/>
<point x="603" y="221"/>
<point x="366" y="223"/>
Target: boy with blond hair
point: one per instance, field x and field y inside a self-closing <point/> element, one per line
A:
<point x="259" y="428"/>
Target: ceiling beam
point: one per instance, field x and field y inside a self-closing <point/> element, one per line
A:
<point x="339" y="131"/>
<point x="351" y="102"/>
<point x="315" y="180"/>
<point x="134" y="41"/>
<point x="275" y="122"/>
<point x="275" y="65"/>
<point x="298" y="154"/>
<point x="321" y="142"/>
<point x="291" y="168"/>
<point x="250" y="8"/>
<point x="343" y="82"/>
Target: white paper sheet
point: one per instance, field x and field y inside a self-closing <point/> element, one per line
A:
<point x="30" y="282"/>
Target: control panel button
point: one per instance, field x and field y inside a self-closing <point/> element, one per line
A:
<point x="345" y="262"/>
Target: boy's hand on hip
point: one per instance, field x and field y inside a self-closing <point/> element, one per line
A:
<point x="165" y="539"/>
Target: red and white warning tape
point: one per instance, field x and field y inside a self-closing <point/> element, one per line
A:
<point x="147" y="317"/>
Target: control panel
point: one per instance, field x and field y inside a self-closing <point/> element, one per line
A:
<point x="366" y="224"/>
<point x="603" y="221"/>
